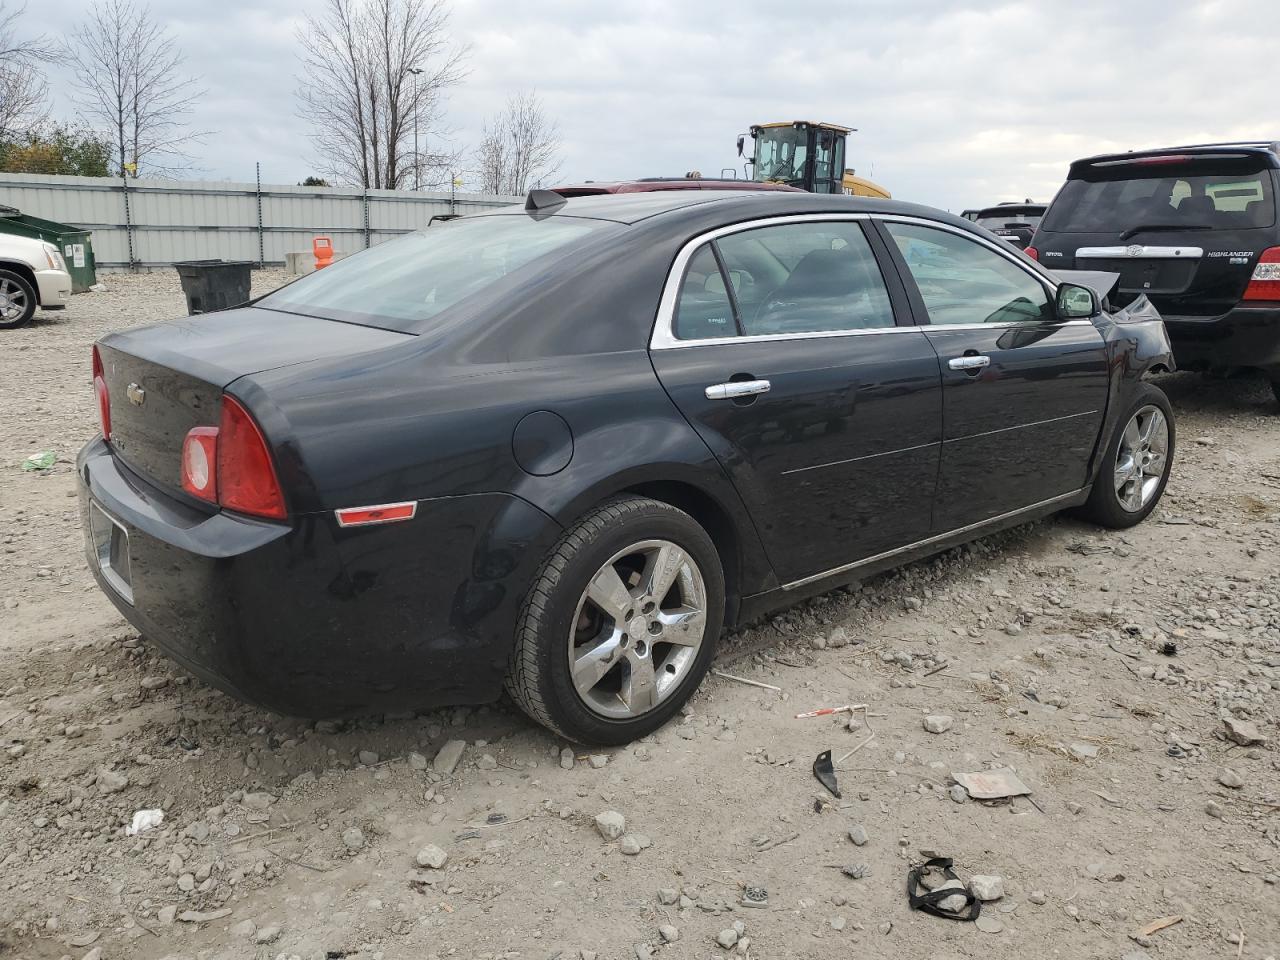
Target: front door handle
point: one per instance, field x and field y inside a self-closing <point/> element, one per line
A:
<point x="968" y="363"/>
<point x="737" y="388"/>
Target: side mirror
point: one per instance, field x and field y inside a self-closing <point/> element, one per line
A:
<point x="742" y="139"/>
<point x="1076" y="302"/>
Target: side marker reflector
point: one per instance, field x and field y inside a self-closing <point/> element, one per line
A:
<point x="382" y="513"/>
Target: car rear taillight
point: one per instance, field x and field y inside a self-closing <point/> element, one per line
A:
<point x="1265" y="282"/>
<point x="246" y="477"/>
<point x="1032" y="252"/>
<point x="231" y="466"/>
<point x="104" y="397"/>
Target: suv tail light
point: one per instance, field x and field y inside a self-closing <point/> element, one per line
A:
<point x="1265" y="283"/>
<point x="1032" y="252"/>
<point x="231" y="466"/>
<point x="104" y="397"/>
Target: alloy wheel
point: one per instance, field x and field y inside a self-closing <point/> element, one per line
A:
<point x="13" y="301"/>
<point x="637" y="629"/>
<point x="1142" y="458"/>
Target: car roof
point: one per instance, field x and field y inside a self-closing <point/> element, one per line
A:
<point x="732" y="205"/>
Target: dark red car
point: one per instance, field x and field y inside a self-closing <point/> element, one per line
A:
<point x="655" y="184"/>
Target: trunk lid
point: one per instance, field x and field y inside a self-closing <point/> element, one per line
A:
<point x="167" y="378"/>
<point x="1186" y="229"/>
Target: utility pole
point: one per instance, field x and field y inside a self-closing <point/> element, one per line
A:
<point x="417" y="157"/>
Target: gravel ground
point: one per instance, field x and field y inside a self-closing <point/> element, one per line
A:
<point x="1039" y="649"/>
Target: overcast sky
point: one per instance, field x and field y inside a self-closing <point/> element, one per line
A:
<point x="957" y="104"/>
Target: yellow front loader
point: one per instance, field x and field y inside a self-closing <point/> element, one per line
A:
<point x="805" y="154"/>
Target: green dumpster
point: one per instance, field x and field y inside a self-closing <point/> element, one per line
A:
<point x="76" y="245"/>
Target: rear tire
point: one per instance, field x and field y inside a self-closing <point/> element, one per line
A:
<point x="17" y="300"/>
<point x="1136" y="464"/>
<point x="1275" y="389"/>
<point x="600" y="677"/>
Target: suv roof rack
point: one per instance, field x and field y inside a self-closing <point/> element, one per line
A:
<point x="1273" y="145"/>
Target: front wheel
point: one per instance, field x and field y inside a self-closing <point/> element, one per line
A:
<point x="17" y="300"/>
<point x="621" y="625"/>
<point x="1136" y="465"/>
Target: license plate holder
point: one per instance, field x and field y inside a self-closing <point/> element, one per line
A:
<point x="111" y="550"/>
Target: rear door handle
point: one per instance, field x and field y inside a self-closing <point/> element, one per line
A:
<point x="737" y="388"/>
<point x="968" y="363"/>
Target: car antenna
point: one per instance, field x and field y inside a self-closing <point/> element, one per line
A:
<point x="542" y="200"/>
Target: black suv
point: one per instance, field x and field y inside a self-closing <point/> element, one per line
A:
<point x="1012" y="222"/>
<point x="1195" y="228"/>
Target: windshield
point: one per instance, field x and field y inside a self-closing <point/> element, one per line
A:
<point x="781" y="153"/>
<point x="401" y="284"/>
<point x="1200" y="201"/>
<point x="1001" y="220"/>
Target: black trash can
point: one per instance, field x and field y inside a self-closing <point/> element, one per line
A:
<point x="214" y="284"/>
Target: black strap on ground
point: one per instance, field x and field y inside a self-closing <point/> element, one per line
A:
<point x="928" y="900"/>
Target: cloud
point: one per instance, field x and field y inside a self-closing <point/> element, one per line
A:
<point x="956" y="104"/>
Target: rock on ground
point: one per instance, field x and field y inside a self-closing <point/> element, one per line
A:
<point x="447" y="757"/>
<point x="611" y="824"/>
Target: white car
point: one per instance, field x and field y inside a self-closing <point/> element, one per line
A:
<point x="32" y="274"/>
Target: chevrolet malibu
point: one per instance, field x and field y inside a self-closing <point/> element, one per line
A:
<point x="559" y="448"/>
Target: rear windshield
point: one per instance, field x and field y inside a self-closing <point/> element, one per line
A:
<point x="999" y="220"/>
<point x="1191" y="199"/>
<point x="403" y="283"/>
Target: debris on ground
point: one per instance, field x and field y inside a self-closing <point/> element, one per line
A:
<point x="825" y="773"/>
<point x="992" y="784"/>
<point x="39" y="461"/>
<point x="97" y="724"/>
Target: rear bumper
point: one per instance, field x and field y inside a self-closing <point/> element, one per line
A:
<point x="312" y="620"/>
<point x="54" y="287"/>
<point x="1244" y="337"/>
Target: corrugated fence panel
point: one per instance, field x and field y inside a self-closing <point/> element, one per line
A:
<point x="170" y="220"/>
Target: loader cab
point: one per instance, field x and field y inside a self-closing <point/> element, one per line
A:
<point x="800" y="154"/>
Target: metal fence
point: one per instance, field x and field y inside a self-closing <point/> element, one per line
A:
<point x="154" y="223"/>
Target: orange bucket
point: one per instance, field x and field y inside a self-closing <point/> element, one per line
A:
<point x="322" y="247"/>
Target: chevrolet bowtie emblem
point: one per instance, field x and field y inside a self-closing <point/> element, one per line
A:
<point x="137" y="396"/>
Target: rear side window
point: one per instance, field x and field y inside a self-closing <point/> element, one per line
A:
<point x="403" y="283"/>
<point x="705" y="310"/>
<point x="1198" y="199"/>
<point x="814" y="277"/>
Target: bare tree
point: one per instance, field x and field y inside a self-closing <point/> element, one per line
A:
<point x="491" y="158"/>
<point x="130" y="73"/>
<point x="520" y="147"/>
<point x="24" y="93"/>
<point x="375" y="74"/>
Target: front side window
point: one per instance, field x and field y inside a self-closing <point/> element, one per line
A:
<point x="961" y="281"/>
<point x="792" y="278"/>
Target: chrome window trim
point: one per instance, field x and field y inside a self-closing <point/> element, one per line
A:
<point x="1021" y="324"/>
<point x="896" y="551"/>
<point x="664" y="338"/>
<point x="1144" y="252"/>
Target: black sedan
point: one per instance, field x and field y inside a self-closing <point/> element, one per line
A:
<point x="561" y="447"/>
